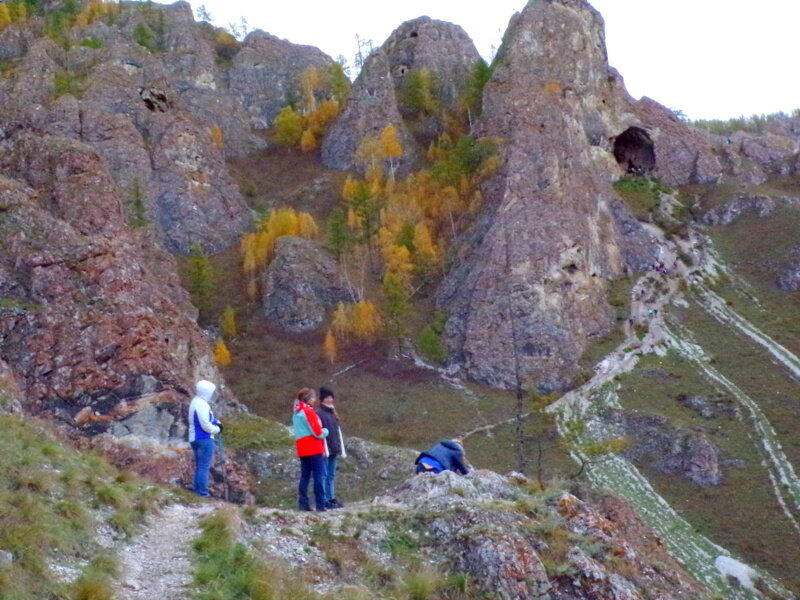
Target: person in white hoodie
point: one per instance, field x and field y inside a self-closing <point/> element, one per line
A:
<point x="202" y="428"/>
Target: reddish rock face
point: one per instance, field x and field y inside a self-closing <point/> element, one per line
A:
<point x="84" y="321"/>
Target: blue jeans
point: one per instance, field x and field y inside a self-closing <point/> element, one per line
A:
<point x="330" y="474"/>
<point x="312" y="466"/>
<point x="203" y="455"/>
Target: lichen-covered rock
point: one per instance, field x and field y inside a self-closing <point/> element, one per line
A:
<point x="511" y="543"/>
<point x="527" y="291"/>
<point x="300" y="285"/>
<point x="371" y="107"/>
<point x="265" y="74"/>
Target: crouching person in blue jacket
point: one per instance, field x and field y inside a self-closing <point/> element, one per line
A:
<point x="447" y="455"/>
<point x="202" y="428"/>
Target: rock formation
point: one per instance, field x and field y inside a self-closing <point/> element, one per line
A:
<point x="300" y="285"/>
<point x="508" y="542"/>
<point x="380" y="94"/>
<point x="265" y="75"/>
<point x="90" y="332"/>
<point x="527" y="292"/>
<point x="666" y="448"/>
<point x="149" y="96"/>
<point x="442" y="48"/>
<point x="371" y="107"/>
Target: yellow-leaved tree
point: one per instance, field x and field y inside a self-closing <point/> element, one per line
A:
<point x="222" y="355"/>
<point x="309" y="82"/>
<point x="356" y="321"/>
<point x="217" y="137"/>
<point x="329" y="346"/>
<point x="390" y="147"/>
<point x="308" y="142"/>
<point x="288" y="127"/>
<point x="95" y="9"/>
<point x="227" y="323"/>
<point x="257" y="247"/>
<point x="5" y="16"/>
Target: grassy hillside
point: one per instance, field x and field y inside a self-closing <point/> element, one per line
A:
<point x="60" y="507"/>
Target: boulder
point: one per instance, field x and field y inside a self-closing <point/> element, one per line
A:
<point x="300" y="285"/>
<point x="789" y="278"/>
<point x="666" y="448"/>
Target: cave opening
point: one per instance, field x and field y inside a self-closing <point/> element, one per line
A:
<point x="635" y="151"/>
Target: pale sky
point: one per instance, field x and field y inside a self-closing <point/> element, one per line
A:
<point x="711" y="59"/>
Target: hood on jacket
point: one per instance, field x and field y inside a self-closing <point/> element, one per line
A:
<point x="205" y="390"/>
<point x="452" y="445"/>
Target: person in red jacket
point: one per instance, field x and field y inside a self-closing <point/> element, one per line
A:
<point x="309" y="435"/>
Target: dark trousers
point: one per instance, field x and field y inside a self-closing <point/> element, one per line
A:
<point x="312" y="466"/>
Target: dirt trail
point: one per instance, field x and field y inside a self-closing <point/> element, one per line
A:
<point x="158" y="564"/>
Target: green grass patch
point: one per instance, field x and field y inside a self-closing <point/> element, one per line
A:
<point x="642" y="195"/>
<point x="247" y="431"/>
<point x="755" y="249"/>
<point x="92" y="42"/>
<point x="52" y="499"/>
<point x="226" y="569"/>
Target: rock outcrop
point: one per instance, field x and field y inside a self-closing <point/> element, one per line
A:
<point x="661" y="446"/>
<point x="265" y="75"/>
<point x="150" y="105"/>
<point x="371" y="107"/>
<point x="300" y="285"/>
<point x="510" y="543"/>
<point x="147" y="93"/>
<point x="441" y="48"/>
<point x="683" y="154"/>
<point x="93" y="337"/>
<point x="527" y="292"/>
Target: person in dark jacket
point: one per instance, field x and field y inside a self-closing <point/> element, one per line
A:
<point x="330" y="421"/>
<point x="309" y="435"/>
<point x="447" y="455"/>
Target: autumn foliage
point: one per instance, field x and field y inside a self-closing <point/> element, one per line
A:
<point x="222" y="355"/>
<point x="257" y="248"/>
<point x="322" y="95"/>
<point x="95" y="9"/>
<point x="400" y="230"/>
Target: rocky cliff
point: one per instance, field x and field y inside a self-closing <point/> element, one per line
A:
<point x="528" y="290"/>
<point x="114" y="130"/>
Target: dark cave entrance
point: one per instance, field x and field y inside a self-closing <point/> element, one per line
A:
<point x="635" y="151"/>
